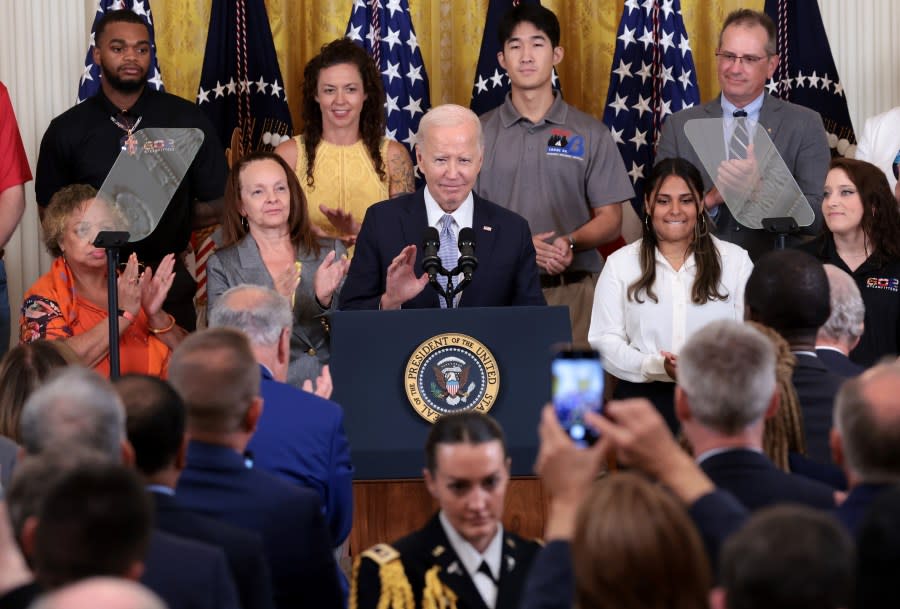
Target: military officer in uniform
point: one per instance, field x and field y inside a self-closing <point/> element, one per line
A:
<point x="462" y="558"/>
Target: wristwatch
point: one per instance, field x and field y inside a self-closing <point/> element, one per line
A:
<point x="571" y="242"/>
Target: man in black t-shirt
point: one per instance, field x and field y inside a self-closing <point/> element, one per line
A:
<point x="82" y="144"/>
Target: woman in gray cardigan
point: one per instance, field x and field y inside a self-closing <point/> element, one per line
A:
<point x="268" y="240"/>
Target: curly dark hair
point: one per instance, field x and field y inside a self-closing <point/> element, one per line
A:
<point x="299" y="225"/>
<point x="881" y="218"/>
<point x="371" y="119"/>
<point x="706" y="256"/>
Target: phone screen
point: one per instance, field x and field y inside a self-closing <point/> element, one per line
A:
<point x="577" y="388"/>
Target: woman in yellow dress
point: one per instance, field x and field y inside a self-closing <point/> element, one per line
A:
<point x="343" y="160"/>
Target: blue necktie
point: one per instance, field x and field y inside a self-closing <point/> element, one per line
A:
<point x="448" y="252"/>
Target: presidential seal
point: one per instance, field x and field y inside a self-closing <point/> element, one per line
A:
<point x="450" y="373"/>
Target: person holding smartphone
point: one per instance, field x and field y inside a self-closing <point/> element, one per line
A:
<point x="654" y="293"/>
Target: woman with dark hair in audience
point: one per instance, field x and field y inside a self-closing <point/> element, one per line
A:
<point x="69" y="303"/>
<point x="267" y="240"/>
<point x="342" y="159"/>
<point x="862" y="237"/>
<point x="22" y="370"/>
<point x="635" y="546"/>
<point x="653" y="293"/>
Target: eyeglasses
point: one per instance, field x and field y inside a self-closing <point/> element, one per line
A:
<point x="747" y="60"/>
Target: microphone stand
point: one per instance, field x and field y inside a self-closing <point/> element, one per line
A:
<point x="112" y="242"/>
<point x="450" y="293"/>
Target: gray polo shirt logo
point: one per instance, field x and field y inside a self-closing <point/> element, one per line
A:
<point x="565" y="143"/>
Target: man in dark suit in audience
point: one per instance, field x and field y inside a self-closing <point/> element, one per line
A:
<point x="156" y="430"/>
<point x="866" y="438"/>
<point x="840" y="334"/>
<point x="300" y="436"/>
<point x="788" y="292"/>
<point x="216" y="374"/>
<point x="386" y="272"/>
<point x="77" y="409"/>
<point x="462" y="556"/>
<point x="787" y="557"/>
<point x="726" y="390"/>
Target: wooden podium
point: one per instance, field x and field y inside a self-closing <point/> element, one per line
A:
<point x="374" y="365"/>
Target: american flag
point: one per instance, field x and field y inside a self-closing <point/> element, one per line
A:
<point x="385" y="31"/>
<point x="806" y="73"/>
<point x="491" y="82"/>
<point x="652" y="76"/>
<point x="90" y="77"/>
<point x="241" y="89"/>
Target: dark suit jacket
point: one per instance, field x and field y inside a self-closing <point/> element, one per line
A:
<point x="852" y="512"/>
<point x="816" y="387"/>
<point x="243" y="550"/>
<point x="427" y="548"/>
<point x="187" y="574"/>
<point x="839" y="363"/>
<point x="217" y="483"/>
<point x="507" y="271"/>
<point x="300" y="438"/>
<point x="798" y="135"/>
<point x="755" y="481"/>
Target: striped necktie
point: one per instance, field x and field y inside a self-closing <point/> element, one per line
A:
<point x="740" y="136"/>
<point x="448" y="251"/>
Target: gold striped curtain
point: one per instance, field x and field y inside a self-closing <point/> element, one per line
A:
<point x="449" y="33"/>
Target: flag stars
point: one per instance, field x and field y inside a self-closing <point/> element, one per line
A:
<point x="413" y="107"/>
<point x="354" y="33"/>
<point x="667" y="8"/>
<point x="390" y="104"/>
<point x="393" y="6"/>
<point x="620" y="104"/>
<point x="627" y="37"/>
<point x="481" y="85"/>
<point x="666" y="75"/>
<point x="637" y="172"/>
<point x="639" y="139"/>
<point x="645" y="72"/>
<point x="415" y="73"/>
<point x="826" y="82"/>
<point x="814" y="80"/>
<point x="86" y="74"/>
<point x="156" y="79"/>
<point x="202" y="96"/>
<point x="632" y="5"/>
<point x="219" y="90"/>
<point x="261" y="85"/>
<point x="772" y="87"/>
<point x="624" y="70"/>
<point x="800" y="79"/>
<point x="392" y="71"/>
<point x="838" y="88"/>
<point x="412" y="42"/>
<point x="231" y="86"/>
<point x="685" y="79"/>
<point x="643" y="105"/>
<point x="276" y="89"/>
<point x="496" y="79"/>
<point x="684" y="45"/>
<point x="392" y="38"/>
<point x="647" y="38"/>
<point x="617" y="135"/>
<point x="410" y="139"/>
<point x="666" y="41"/>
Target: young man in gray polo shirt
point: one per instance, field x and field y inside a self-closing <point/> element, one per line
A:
<point x="553" y="164"/>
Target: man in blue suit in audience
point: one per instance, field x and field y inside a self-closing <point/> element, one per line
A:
<point x="156" y="430"/>
<point x="865" y="440"/>
<point x="300" y="436"/>
<point x="386" y="272"/>
<point x="217" y="376"/>
<point x="726" y="390"/>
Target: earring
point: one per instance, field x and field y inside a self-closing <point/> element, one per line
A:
<point x="245" y="224"/>
<point x="701" y="229"/>
<point x="647" y="221"/>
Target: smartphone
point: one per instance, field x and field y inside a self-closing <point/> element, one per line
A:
<point x="577" y="388"/>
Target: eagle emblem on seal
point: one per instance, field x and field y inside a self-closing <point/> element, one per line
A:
<point x="451" y="376"/>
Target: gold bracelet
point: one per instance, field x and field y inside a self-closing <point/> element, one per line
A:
<point x="163" y="330"/>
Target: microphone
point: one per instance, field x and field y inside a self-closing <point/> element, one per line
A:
<point x="467" y="260"/>
<point x="431" y="263"/>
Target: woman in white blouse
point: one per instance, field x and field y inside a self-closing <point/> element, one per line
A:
<point x="655" y="292"/>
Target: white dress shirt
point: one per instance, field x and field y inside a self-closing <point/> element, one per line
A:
<point x="630" y="335"/>
<point x="471" y="559"/>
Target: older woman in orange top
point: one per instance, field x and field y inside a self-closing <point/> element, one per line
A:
<point x="342" y="159"/>
<point x="69" y="303"/>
